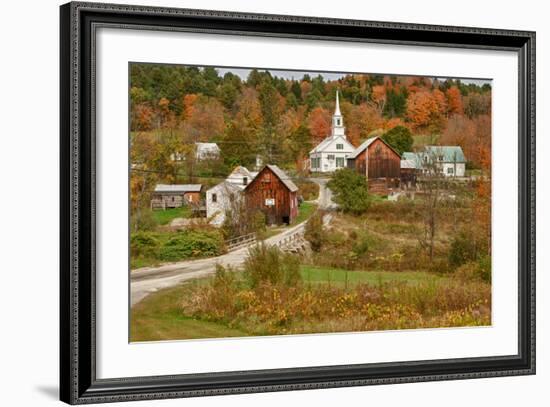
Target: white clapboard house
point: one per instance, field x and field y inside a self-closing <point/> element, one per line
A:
<point x="449" y="161"/>
<point x="227" y="195"/>
<point x="332" y="153"/>
<point x="203" y="151"/>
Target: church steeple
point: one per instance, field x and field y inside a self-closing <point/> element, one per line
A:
<point x="338" y="128"/>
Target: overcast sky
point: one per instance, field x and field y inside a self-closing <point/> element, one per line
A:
<point x="287" y="74"/>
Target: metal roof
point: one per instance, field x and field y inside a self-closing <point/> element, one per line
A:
<point x="207" y="146"/>
<point x="227" y="186"/>
<point x="411" y="160"/>
<point x="451" y="154"/>
<point x="362" y="147"/>
<point x="240" y="170"/>
<point x="175" y="188"/>
<point x="283" y="177"/>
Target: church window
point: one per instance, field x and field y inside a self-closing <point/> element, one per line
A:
<point x="339" y="146"/>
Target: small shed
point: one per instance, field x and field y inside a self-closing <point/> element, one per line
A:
<point x="273" y="192"/>
<point x="175" y="195"/>
<point x="411" y="167"/>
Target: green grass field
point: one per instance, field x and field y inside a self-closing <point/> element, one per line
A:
<point x="159" y="316"/>
<point x="305" y="210"/>
<point x="164" y="217"/>
<point x="339" y="277"/>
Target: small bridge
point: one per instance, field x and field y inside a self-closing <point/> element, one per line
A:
<point x="293" y="243"/>
<point x="240" y="241"/>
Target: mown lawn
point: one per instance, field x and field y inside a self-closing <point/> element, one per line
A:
<point x="164" y="217"/>
<point x="305" y="210"/>
<point x="325" y="275"/>
<point x="160" y="317"/>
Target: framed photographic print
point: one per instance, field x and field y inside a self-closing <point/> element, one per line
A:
<point x="255" y="203"/>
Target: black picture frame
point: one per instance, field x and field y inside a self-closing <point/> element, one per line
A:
<point x="78" y="382"/>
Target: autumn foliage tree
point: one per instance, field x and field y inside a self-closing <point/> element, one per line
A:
<point x="280" y="119"/>
<point x="319" y="121"/>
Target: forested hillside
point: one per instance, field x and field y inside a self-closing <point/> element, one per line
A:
<point x="282" y="119"/>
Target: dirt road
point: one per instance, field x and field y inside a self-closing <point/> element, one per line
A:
<point x="150" y="279"/>
<point x="325" y="195"/>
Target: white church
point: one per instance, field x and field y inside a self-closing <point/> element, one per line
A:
<point x="332" y="153"/>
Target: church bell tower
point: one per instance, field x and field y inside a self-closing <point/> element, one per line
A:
<point x="338" y="128"/>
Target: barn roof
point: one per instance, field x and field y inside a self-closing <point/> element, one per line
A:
<point x="451" y="154"/>
<point x="178" y="188"/>
<point x="285" y="179"/>
<point x="366" y="145"/>
<point x="362" y="147"/>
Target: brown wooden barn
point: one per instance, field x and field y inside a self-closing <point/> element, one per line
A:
<point x="174" y="195"/>
<point x="379" y="162"/>
<point x="273" y="193"/>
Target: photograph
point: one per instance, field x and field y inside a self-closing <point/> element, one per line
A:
<point x="283" y="202"/>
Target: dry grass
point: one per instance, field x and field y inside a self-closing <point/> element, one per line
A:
<point x="277" y="309"/>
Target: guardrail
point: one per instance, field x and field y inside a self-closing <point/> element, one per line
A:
<point x="240" y="241"/>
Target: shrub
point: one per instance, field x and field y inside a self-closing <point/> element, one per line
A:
<point x="259" y="221"/>
<point x="362" y="244"/>
<point x="314" y="232"/>
<point x="484" y="268"/>
<point x="476" y="270"/>
<point x="400" y="138"/>
<point x="308" y="190"/>
<point x="466" y="246"/>
<point x="192" y="243"/>
<point x="143" y="244"/>
<point x="350" y="191"/>
<point x="143" y="220"/>
<point x="266" y="264"/>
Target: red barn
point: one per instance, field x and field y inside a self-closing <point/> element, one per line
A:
<point x="379" y="162"/>
<point x="273" y="193"/>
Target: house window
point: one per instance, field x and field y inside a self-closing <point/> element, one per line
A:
<point x="266" y="178"/>
<point x="214" y="197"/>
<point x="245" y="180"/>
<point x="440" y="158"/>
<point x="340" y="162"/>
<point x="450" y="171"/>
<point x="339" y="146"/>
<point x="330" y="156"/>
